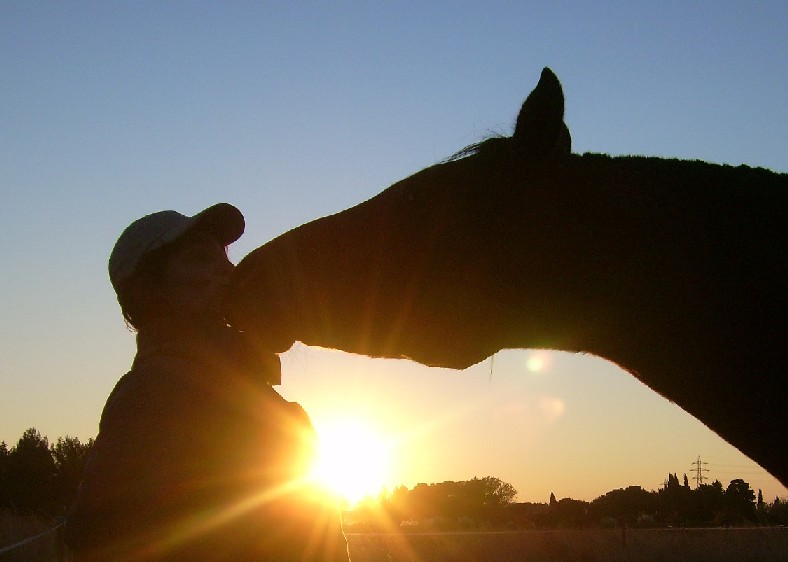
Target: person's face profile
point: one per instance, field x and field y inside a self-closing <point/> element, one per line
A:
<point x="196" y="275"/>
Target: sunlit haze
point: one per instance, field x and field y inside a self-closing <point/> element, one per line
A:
<point x="293" y="111"/>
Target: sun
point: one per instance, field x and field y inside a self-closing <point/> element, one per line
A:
<point x="353" y="460"/>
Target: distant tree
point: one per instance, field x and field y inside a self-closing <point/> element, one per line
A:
<point x="571" y="513"/>
<point x="761" y="509"/>
<point x="671" y="482"/>
<point x="5" y="500"/>
<point x="624" y="505"/>
<point x="686" y="481"/>
<point x="777" y="512"/>
<point x="739" y="501"/>
<point x="496" y="492"/>
<point x="706" y="503"/>
<point x="553" y="501"/>
<point x="69" y="456"/>
<point x="31" y="472"/>
<point x="674" y="501"/>
<point x="526" y="515"/>
<point x="478" y="499"/>
<point x="484" y="499"/>
<point x="421" y="501"/>
<point x="397" y="504"/>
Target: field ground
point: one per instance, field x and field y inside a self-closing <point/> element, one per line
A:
<point x="762" y="544"/>
<point x="743" y="544"/>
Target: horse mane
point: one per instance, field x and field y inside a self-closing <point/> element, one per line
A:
<point x="493" y="142"/>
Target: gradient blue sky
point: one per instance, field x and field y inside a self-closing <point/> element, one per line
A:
<point x="294" y="110"/>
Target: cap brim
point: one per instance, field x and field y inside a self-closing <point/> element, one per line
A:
<point x="222" y="220"/>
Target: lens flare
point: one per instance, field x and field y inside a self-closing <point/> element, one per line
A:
<point x="538" y="361"/>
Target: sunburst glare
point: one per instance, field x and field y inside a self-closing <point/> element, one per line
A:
<point x="353" y="460"/>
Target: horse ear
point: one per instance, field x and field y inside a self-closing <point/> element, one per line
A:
<point x="540" y="130"/>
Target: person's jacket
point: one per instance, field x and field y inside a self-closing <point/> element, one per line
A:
<point x="198" y="458"/>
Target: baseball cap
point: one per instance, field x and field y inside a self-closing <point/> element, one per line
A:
<point x="156" y="230"/>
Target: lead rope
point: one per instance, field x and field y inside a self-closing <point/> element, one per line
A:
<point x="23" y="542"/>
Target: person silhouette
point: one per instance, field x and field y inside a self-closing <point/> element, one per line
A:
<point x="197" y="456"/>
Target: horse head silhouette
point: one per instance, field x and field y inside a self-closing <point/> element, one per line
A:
<point x="673" y="269"/>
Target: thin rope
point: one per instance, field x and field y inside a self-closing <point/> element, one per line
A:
<point x="23" y="542"/>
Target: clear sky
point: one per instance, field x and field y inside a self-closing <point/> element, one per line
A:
<point x="292" y="111"/>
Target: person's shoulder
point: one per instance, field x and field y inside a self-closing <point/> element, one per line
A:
<point x="295" y="407"/>
<point x="150" y="381"/>
<point x="295" y="411"/>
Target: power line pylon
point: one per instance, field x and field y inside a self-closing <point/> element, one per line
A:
<point x="699" y="470"/>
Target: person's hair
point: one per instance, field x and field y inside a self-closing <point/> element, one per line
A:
<point x="139" y="296"/>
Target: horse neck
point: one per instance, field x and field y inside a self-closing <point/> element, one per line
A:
<point x="645" y="257"/>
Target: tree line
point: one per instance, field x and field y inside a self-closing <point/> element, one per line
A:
<point x="489" y="503"/>
<point x="39" y="477"/>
